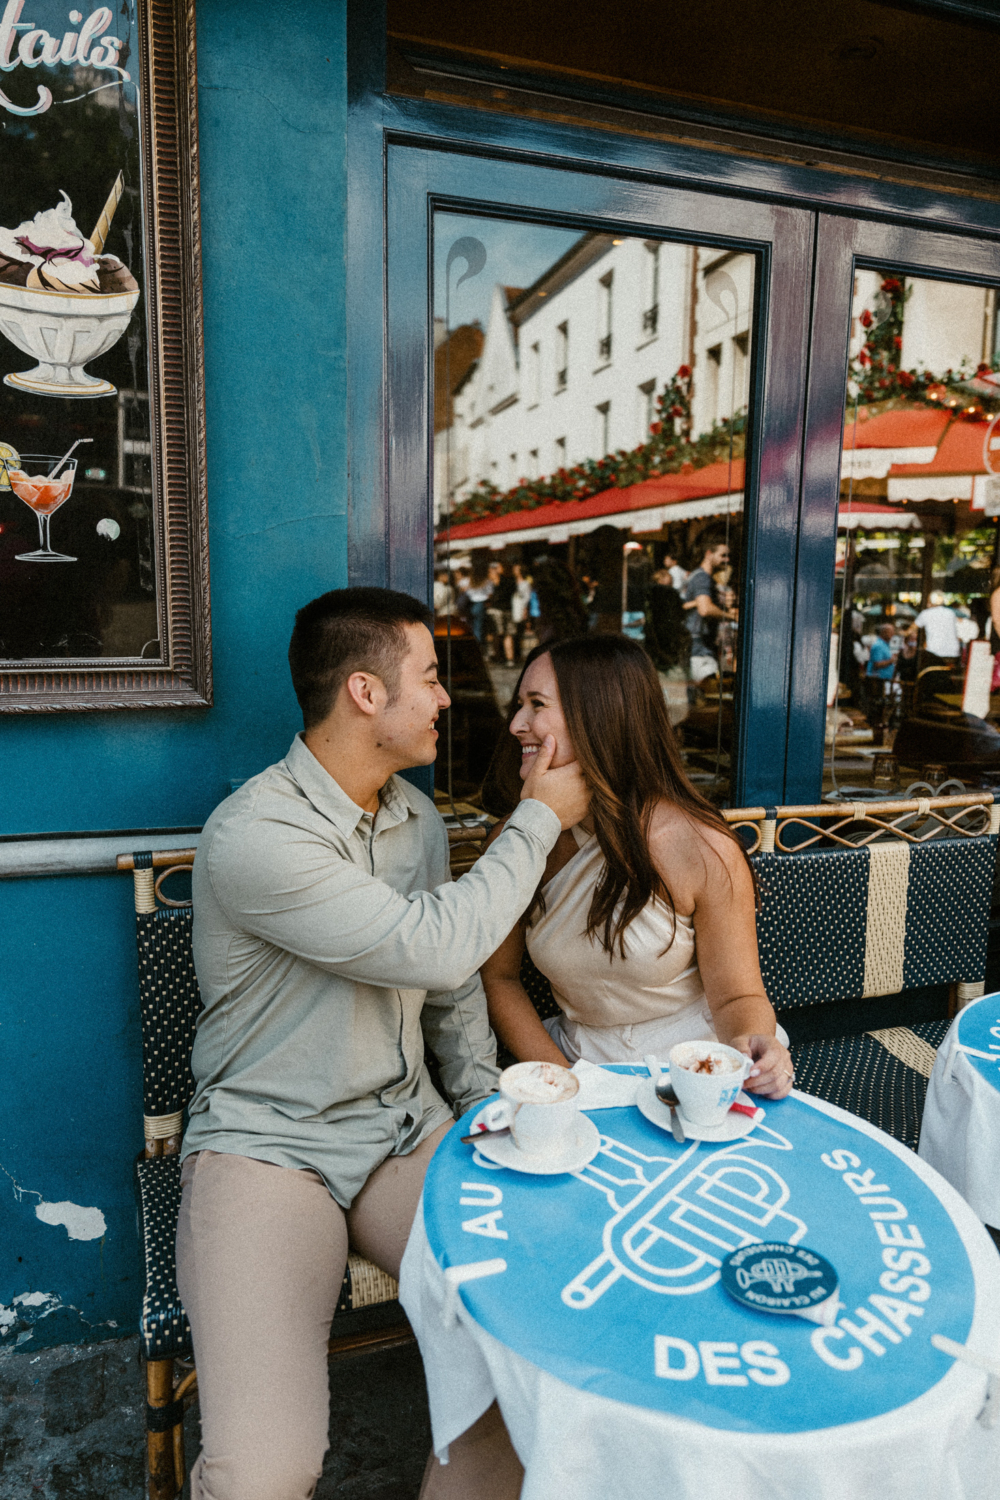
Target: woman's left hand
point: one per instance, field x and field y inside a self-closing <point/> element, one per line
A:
<point x="772" y="1074"/>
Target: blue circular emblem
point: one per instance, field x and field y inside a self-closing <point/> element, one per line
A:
<point x="777" y="1277"/>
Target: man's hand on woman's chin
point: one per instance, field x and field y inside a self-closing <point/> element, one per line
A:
<point x="564" y="789"/>
<point x="772" y="1073"/>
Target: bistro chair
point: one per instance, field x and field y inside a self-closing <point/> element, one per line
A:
<point x="169" y="1003"/>
<point x="864" y="902"/>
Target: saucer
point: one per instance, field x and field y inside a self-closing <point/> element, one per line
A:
<point x="732" y="1128"/>
<point x="583" y="1147"/>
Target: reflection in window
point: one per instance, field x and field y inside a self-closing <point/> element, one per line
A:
<point x="603" y="427"/>
<point x="651" y="299"/>
<point x="643" y="537"/>
<point x="604" y="317"/>
<point x="914" y="686"/>
<point x="562" y="356"/>
<point x="647" y="409"/>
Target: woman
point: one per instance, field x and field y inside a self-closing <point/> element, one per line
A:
<point x="644" y="922"/>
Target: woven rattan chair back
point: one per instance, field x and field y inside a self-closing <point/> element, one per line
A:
<point x="169" y="998"/>
<point x="872" y="899"/>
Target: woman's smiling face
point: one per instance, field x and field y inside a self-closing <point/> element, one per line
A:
<point x="539" y="714"/>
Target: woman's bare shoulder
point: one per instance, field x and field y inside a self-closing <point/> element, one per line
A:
<point x="684" y="849"/>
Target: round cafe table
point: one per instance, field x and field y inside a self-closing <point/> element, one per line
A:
<point x="589" y="1306"/>
<point x="960" y="1132"/>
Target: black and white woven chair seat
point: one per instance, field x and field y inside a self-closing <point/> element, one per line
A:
<point x="879" y="1075"/>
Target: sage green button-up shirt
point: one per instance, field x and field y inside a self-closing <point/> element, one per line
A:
<point x="329" y="945"/>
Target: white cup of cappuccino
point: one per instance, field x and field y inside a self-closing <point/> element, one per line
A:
<point x="707" y="1077"/>
<point x="539" y="1103"/>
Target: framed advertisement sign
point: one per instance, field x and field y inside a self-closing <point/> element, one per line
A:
<point x="103" y="539"/>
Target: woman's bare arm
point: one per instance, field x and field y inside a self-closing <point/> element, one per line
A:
<point x="708" y="878"/>
<point x="512" y="1015"/>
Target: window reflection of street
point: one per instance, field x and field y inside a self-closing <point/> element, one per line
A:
<point x="913" y="691"/>
<point x="590" y="410"/>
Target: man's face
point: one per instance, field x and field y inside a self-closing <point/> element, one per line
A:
<point x="718" y="557"/>
<point x="406" y="727"/>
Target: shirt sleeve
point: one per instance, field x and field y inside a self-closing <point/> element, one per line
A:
<point x="281" y="883"/>
<point x="455" y="1022"/>
<point x="457" y="1029"/>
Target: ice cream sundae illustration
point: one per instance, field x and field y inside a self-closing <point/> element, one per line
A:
<point x="62" y="299"/>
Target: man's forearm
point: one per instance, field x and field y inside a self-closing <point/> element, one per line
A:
<point x="340" y="919"/>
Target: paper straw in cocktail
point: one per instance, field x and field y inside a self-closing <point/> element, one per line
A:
<point x="103" y="225"/>
<point x="69" y="451"/>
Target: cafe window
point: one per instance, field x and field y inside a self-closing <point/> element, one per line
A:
<point x="602" y="427"/>
<point x="913" y="696"/>
<point x="562" y="356"/>
<point x="652" y="544"/>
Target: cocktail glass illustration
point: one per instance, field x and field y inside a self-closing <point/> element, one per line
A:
<point x="44" y="482"/>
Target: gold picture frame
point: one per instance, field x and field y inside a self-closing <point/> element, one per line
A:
<point x="138" y="632"/>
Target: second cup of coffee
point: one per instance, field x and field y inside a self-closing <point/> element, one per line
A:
<point x="707" y="1077"/>
<point x="539" y="1102"/>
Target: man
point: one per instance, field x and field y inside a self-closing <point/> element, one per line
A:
<point x="498" y="609"/>
<point x="702" y="610"/>
<point x="942" y="646"/>
<point x="329" y="944"/>
<point x="678" y="576"/>
<point x="665" y="637"/>
<point x="880" y="672"/>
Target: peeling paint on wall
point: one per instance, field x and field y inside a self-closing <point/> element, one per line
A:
<point x="29" y="1308"/>
<point x="80" y="1223"/>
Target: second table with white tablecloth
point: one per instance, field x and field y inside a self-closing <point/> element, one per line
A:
<point x="620" y="1364"/>
<point x="960" y="1132"/>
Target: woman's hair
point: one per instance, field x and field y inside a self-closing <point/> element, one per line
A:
<point x="622" y="737"/>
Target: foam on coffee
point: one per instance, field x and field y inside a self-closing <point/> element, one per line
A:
<point x="539" y="1083"/>
<point x="708" y="1062"/>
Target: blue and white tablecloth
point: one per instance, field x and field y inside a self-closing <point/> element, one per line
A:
<point x="960" y="1134"/>
<point x="622" y="1367"/>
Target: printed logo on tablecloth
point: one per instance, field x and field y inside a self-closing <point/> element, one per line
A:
<point x="779" y="1278"/>
<point x="612" y="1279"/>
<point x="979" y="1036"/>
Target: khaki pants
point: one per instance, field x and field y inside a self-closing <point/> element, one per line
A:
<point x="261" y="1252"/>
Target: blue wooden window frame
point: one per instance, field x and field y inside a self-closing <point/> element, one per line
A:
<point x="810" y="227"/>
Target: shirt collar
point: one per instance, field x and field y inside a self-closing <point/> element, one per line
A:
<point x="329" y="797"/>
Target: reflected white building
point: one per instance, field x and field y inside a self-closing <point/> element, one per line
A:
<point x="944" y="322"/>
<point x="571" y="366"/>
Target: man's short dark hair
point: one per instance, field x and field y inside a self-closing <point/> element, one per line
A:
<point x="345" y="631"/>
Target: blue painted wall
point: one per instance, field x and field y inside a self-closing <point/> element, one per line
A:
<point x="272" y="100"/>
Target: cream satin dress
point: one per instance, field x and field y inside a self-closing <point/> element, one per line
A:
<point x="614" y="1009"/>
